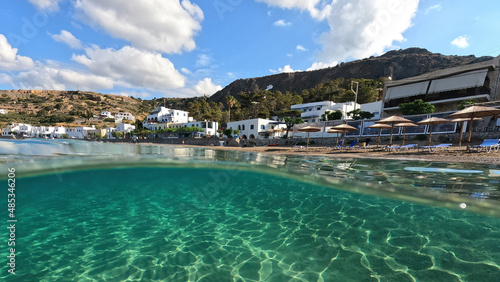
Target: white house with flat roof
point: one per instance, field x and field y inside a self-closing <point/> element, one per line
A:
<point x="312" y="112"/>
<point x="106" y="114"/>
<point x="3" y="111"/>
<point x="374" y="108"/>
<point x="255" y="128"/>
<point x="119" y="117"/>
<point x="162" y="114"/>
<point x="125" y="127"/>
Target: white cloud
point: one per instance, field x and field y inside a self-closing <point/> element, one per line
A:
<point x="186" y="71"/>
<point x="54" y="77"/>
<point x="285" y="69"/>
<point x="303" y="5"/>
<point x="289" y="55"/>
<point x="203" y="60"/>
<point x="135" y="94"/>
<point x="68" y="38"/>
<point x="358" y="29"/>
<point x="207" y="87"/>
<point x="437" y="8"/>
<point x="154" y="25"/>
<point x="461" y="41"/>
<point x="301" y="48"/>
<point x="48" y="5"/>
<point x="131" y="67"/>
<point x="321" y="65"/>
<point x="10" y="60"/>
<point x="282" y="23"/>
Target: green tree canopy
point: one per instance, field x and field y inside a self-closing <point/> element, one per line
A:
<point x="417" y="107"/>
<point x="358" y="114"/>
<point x="332" y="115"/>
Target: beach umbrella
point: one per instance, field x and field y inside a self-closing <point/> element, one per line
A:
<point x="431" y="121"/>
<point x="474" y="112"/>
<point x="404" y="125"/>
<point x="309" y="129"/>
<point x="345" y="128"/>
<point x="380" y="126"/>
<point x="335" y="131"/>
<point x="462" y="120"/>
<point x="393" y="120"/>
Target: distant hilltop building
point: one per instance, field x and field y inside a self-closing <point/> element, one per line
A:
<point x="446" y="88"/>
<point x="3" y="112"/>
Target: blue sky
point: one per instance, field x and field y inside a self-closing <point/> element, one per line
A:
<point x="172" y="48"/>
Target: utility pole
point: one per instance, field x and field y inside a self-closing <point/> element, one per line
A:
<point x="355" y="92"/>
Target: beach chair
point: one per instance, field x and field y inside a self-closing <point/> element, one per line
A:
<point x="391" y="148"/>
<point x="408" y="147"/>
<point x="353" y="145"/>
<point x="488" y="145"/>
<point x="339" y="145"/>
<point x="435" y="148"/>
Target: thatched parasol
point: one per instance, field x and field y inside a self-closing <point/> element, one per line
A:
<point x="393" y="120"/>
<point x="309" y="129"/>
<point x="404" y="125"/>
<point x="431" y="121"/>
<point x="345" y="128"/>
<point x="380" y="126"/>
<point x="474" y="112"/>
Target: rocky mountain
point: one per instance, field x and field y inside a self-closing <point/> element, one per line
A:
<point x="397" y="64"/>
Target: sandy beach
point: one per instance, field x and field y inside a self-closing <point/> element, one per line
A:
<point x="454" y="154"/>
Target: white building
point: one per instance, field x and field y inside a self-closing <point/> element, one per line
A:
<point x="312" y="112"/>
<point x="374" y="108"/>
<point x="106" y="114"/>
<point x="109" y="132"/>
<point x="209" y="127"/>
<point x="80" y="132"/>
<point x="119" y="117"/>
<point x="162" y="114"/>
<point x="127" y="128"/>
<point x="255" y="128"/>
<point x="3" y="112"/>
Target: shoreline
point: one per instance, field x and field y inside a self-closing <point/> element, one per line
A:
<point x="453" y="155"/>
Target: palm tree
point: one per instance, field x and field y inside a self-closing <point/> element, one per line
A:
<point x="230" y="100"/>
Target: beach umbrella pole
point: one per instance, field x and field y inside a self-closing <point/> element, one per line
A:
<point x="470" y="133"/>
<point x="461" y="134"/>
<point x="307" y="144"/>
<point x="378" y="140"/>
<point x="404" y="135"/>
<point x="430" y="135"/>
<point x="392" y="128"/>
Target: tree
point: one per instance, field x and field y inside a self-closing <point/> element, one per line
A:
<point x="228" y="132"/>
<point x="230" y="100"/>
<point x="466" y="103"/>
<point x="332" y="115"/>
<point x="118" y="134"/>
<point x="358" y="114"/>
<point x="290" y="122"/>
<point x="417" y="107"/>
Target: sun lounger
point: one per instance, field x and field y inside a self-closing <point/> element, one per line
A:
<point x="408" y="147"/>
<point x="392" y="148"/>
<point x="339" y="145"/>
<point x="353" y="144"/>
<point x="488" y="145"/>
<point x="434" y="148"/>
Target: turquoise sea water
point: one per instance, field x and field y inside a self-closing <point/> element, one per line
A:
<point x="101" y="212"/>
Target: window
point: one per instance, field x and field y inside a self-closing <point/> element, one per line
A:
<point x="318" y="108"/>
<point x="313" y="120"/>
<point x="243" y="127"/>
<point x="262" y="127"/>
<point x="251" y="126"/>
<point x="239" y="127"/>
